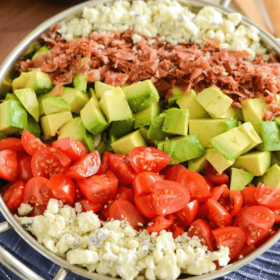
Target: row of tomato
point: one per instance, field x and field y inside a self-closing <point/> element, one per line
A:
<point x="140" y="188"/>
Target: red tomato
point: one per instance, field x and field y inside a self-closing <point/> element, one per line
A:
<point x="246" y="250"/>
<point x="24" y="168"/>
<point x="277" y="216"/>
<point x="78" y="193"/>
<point x="125" y="193"/>
<point x="104" y="163"/>
<point x="186" y="215"/>
<point x="203" y="211"/>
<point x="122" y="209"/>
<point x="144" y="206"/>
<point x="168" y="197"/>
<point x="269" y="197"/>
<point x="271" y="232"/>
<point x="256" y="221"/>
<point x="172" y="172"/>
<point x="105" y="208"/>
<point x="88" y="205"/>
<point x="248" y="194"/>
<point x="215" y="177"/>
<point x="38" y="210"/>
<point x="160" y="223"/>
<point x="178" y="231"/>
<point x="99" y="189"/>
<point x="11" y="144"/>
<point x="231" y="237"/>
<point x="72" y="148"/>
<point x="235" y="223"/>
<point x="203" y="231"/>
<point x="195" y="184"/>
<point x="143" y="181"/>
<point x="235" y="203"/>
<point x="8" y="164"/>
<point x="13" y="194"/>
<point x="36" y="191"/>
<point x="121" y="167"/>
<point x="30" y="143"/>
<point x="86" y="167"/>
<point x="210" y="184"/>
<point x="218" y="215"/>
<point x="62" y="188"/>
<point x="148" y="159"/>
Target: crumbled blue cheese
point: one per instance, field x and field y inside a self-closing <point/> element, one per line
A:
<point x="24" y="209"/>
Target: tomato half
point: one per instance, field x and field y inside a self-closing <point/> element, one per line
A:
<point x="210" y="184"/>
<point x="88" y="205"/>
<point x="186" y="215"/>
<point x="30" y="143"/>
<point x="277" y="216"/>
<point x="248" y="194"/>
<point x="246" y="250"/>
<point x="99" y="189"/>
<point x="144" y="206"/>
<point x="195" y="184"/>
<point x="122" y="209"/>
<point x="143" y="181"/>
<point x="72" y="148"/>
<point x="148" y="159"/>
<point x="105" y="208"/>
<point x="172" y="172"/>
<point x="178" y="231"/>
<point x="269" y="197"/>
<point x="11" y="144"/>
<point x="203" y="231"/>
<point x="13" y="194"/>
<point x="215" y="177"/>
<point x="271" y="232"/>
<point x="38" y="210"/>
<point x="24" y="168"/>
<point x="160" y="223"/>
<point x="125" y="193"/>
<point x="104" y="163"/>
<point x="86" y="167"/>
<point x="236" y="219"/>
<point x="8" y="164"/>
<point x="168" y="197"/>
<point x="256" y="221"/>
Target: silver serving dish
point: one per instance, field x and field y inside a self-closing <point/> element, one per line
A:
<point x="6" y="70"/>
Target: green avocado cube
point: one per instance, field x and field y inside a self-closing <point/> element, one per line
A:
<point x="122" y="128"/>
<point x="10" y="96"/>
<point x="40" y="98"/>
<point x="218" y="161"/>
<point x="21" y="80"/>
<point x="54" y="105"/>
<point x="155" y="131"/>
<point x="141" y="95"/>
<point x="275" y="159"/>
<point x="239" y="113"/>
<point x="114" y="105"/>
<point x="214" y="101"/>
<point x="206" y="129"/>
<point x="172" y="101"/>
<point x="145" y="117"/>
<point x="256" y="163"/>
<point x="270" y="135"/>
<point x="42" y="51"/>
<point x="176" y="121"/>
<point x="239" y="179"/>
<point x="271" y="178"/>
<point x="229" y="114"/>
<point x="31" y="49"/>
<point x="100" y="88"/>
<point x="39" y="81"/>
<point x="177" y="91"/>
<point x="200" y="163"/>
<point x="3" y="135"/>
<point x="33" y="127"/>
<point x="108" y="145"/>
<point x="125" y="144"/>
<point x="80" y="82"/>
<point x="277" y="120"/>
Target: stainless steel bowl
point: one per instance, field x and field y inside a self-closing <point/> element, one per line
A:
<point x="6" y="71"/>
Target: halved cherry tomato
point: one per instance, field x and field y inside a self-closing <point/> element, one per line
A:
<point x="78" y="193"/>
<point x="99" y="189"/>
<point x="256" y="221"/>
<point x="144" y="206"/>
<point x="62" y="188"/>
<point x="11" y="144"/>
<point x="178" y="231"/>
<point x="168" y="197"/>
<point x="13" y="194"/>
<point x="195" y="184"/>
<point x="231" y="237"/>
<point x="248" y="194"/>
<point x="105" y="208"/>
<point x="172" y="172"/>
<point x="269" y="197"/>
<point x="148" y="159"/>
<point x="85" y="167"/>
<point x="277" y="216"/>
<point x="88" y="205"/>
<point x="203" y="231"/>
<point x="49" y="161"/>
<point x="104" y="163"/>
<point x="215" y="177"/>
<point x="246" y="250"/>
<point x="203" y="211"/>
<point x="125" y="193"/>
<point x="122" y="209"/>
<point x="38" y="210"/>
<point x="24" y="168"/>
<point x="220" y="192"/>
<point x="36" y="191"/>
<point x="186" y="215"/>
<point x="8" y="164"/>
<point x="72" y="148"/>
<point x="143" y="181"/>
<point x="160" y="223"/>
<point x="210" y="184"/>
<point x="30" y="143"/>
<point x="121" y="167"/>
<point x="218" y="215"/>
<point x="236" y="219"/>
<point x="271" y="232"/>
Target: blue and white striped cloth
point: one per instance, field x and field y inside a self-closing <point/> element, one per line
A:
<point x="266" y="267"/>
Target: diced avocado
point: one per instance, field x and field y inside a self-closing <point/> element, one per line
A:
<point x="172" y="101"/>
<point x="114" y="105"/>
<point x="125" y="85"/>
<point x="254" y="109"/>
<point x="122" y="128"/>
<point x="271" y="178"/>
<point x="177" y="91"/>
<point x="256" y="163"/>
<point x="199" y="164"/>
<point x="33" y="127"/>
<point x="42" y="51"/>
<point x="100" y="88"/>
<point x="239" y="113"/>
<point x="231" y="144"/>
<point x="214" y="101"/>
<point x="40" y="98"/>
<point x="206" y="129"/>
<point x="92" y="95"/>
<point x="144" y="132"/>
<point x="141" y="95"/>
<point x="218" y="161"/>
<point x="80" y="82"/>
<point x="155" y="131"/>
<point x="39" y="81"/>
<point x="93" y="118"/>
<point x="270" y="134"/>
<point x="10" y="96"/>
<point x="21" y="80"/>
<point x="101" y="148"/>
<point x="50" y="124"/>
<point x="229" y="114"/>
<point x="239" y="179"/>
<point x="13" y="117"/>
<point x="125" y="144"/>
<point x="146" y="116"/>
<point x="176" y="121"/>
<point x="31" y="49"/>
<point x="182" y="148"/>
<point x="3" y="135"/>
<point x="28" y="99"/>
<point x="75" y="98"/>
<point x="277" y="120"/>
<point x="54" y="104"/>
<point x="275" y="159"/>
<point x="75" y="129"/>
<point x="188" y="101"/>
<point x="108" y="146"/>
